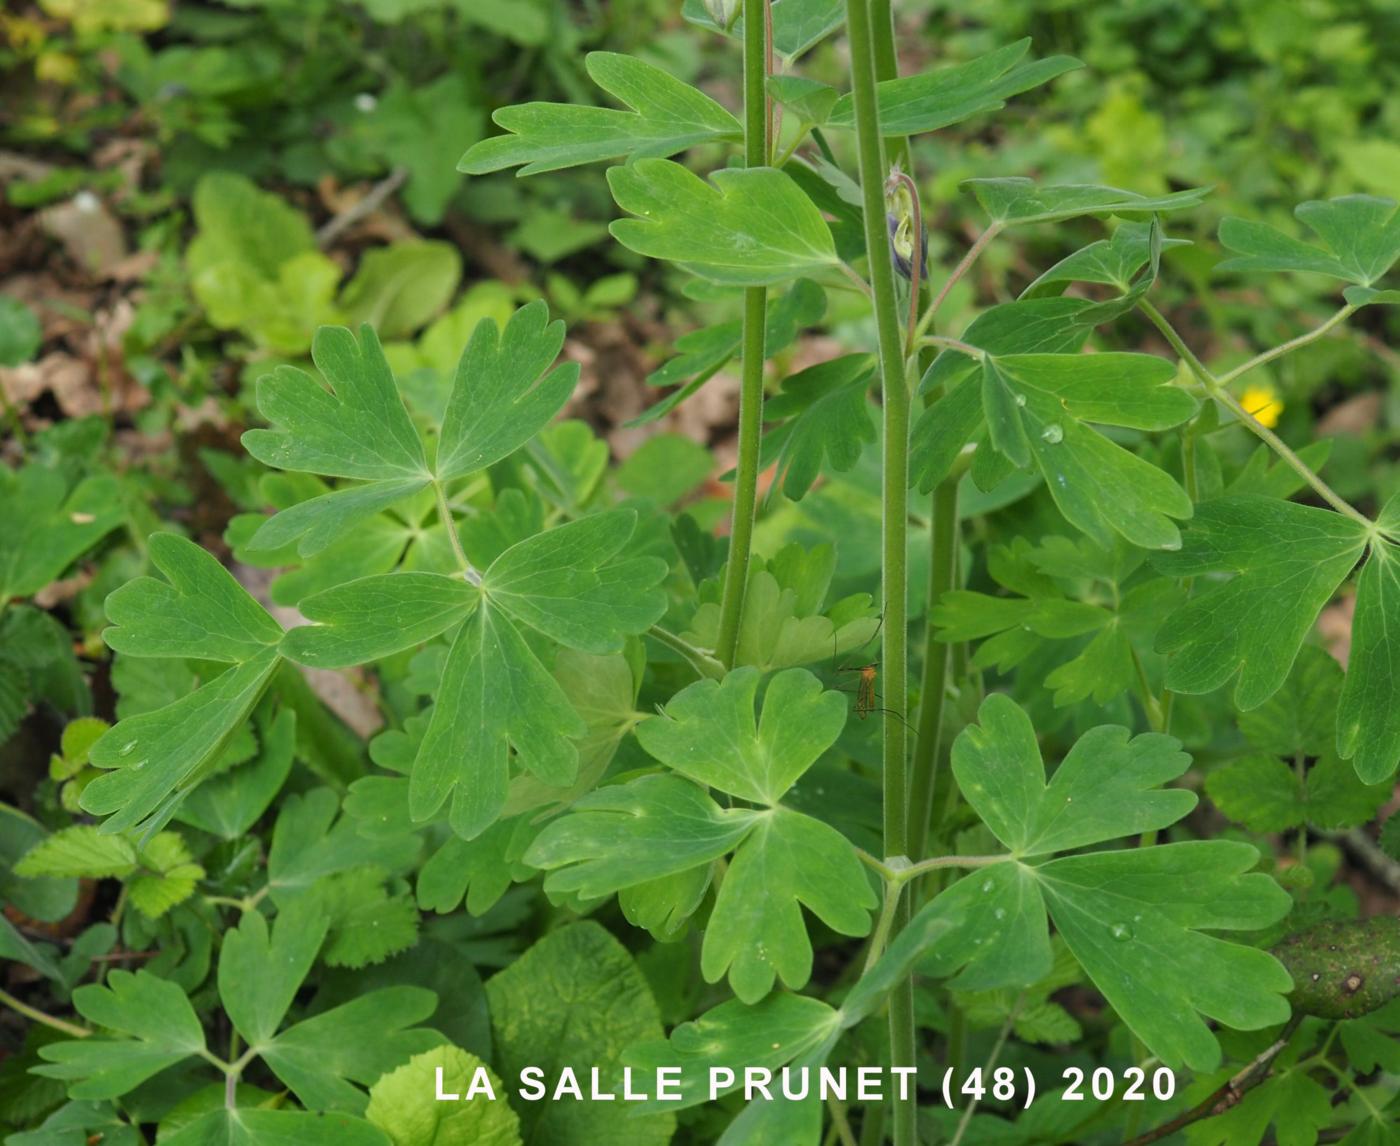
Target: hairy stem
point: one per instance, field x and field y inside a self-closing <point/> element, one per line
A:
<point x="699" y="659"/>
<point x="1215" y="387"/>
<point x="736" y="574"/>
<point x="895" y="513"/>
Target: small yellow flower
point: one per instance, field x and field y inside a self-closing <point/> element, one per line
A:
<point x="1263" y="403"/>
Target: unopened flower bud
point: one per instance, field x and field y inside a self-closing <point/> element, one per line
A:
<point x="723" y="12"/>
<point x="901" y="221"/>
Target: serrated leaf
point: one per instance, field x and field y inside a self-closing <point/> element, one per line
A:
<point x="357" y="429"/>
<point x="374" y="617"/>
<point x="943" y="96"/>
<point x="367" y="923"/>
<point x="203" y="612"/>
<point x="744" y="227"/>
<point x="261" y="969"/>
<point x="159" y="1028"/>
<point x="1260" y="792"/>
<point x="1301" y="717"/>
<point x="45" y="527"/>
<point x="666" y="115"/>
<point x="168" y="875"/>
<point x="401" y="1103"/>
<point x="1288" y="561"/>
<point x="1368" y="716"/>
<point x="575" y="999"/>
<point x="153" y="759"/>
<point x="80" y="850"/>
<point x="357" y="1042"/>
<point x="709" y="733"/>
<point x="309" y="842"/>
<point x="1360" y="240"/>
<point x="1018" y="201"/>
<point x="504" y="391"/>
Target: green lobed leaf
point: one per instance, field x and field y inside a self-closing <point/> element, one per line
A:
<point x="1360" y="241"/>
<point x="744" y="227"/>
<point x="827" y="420"/>
<point x="667" y="115"/>
<point x="255" y="1126"/>
<point x="156" y="1026"/>
<point x="203" y="612"/>
<point x="261" y="968"/>
<point x="504" y="391"/>
<point x="943" y="96"/>
<point x="799" y="26"/>
<point x="402" y="1103"/>
<point x="401" y="287"/>
<point x="227" y="805"/>
<point x="708" y="732"/>
<point x="1287" y="561"/>
<point x="1368" y="715"/>
<point x="1017" y="200"/>
<point x="45" y="526"/>
<point x="21" y="334"/>
<point x="309" y="843"/>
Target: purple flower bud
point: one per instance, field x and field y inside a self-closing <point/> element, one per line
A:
<point x="902" y="246"/>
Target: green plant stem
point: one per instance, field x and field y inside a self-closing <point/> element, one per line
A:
<point x="1215" y="387"/>
<point x="895" y="514"/>
<point x="700" y="660"/>
<point x="881" y="934"/>
<point x="469" y="571"/>
<point x="39" y="1016"/>
<point x="992" y="1060"/>
<point x="736" y="574"/>
<point x="951" y="343"/>
<point x="933" y="691"/>
<point x="980" y="245"/>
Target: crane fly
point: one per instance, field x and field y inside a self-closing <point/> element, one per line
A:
<point x="866" y="676"/>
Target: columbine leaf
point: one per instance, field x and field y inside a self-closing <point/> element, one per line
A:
<point x="156" y="757"/>
<point x="159" y="1028"/>
<point x="1288" y="561"/>
<point x="402" y="1103"/>
<point x="1368" y="719"/>
<point x="504" y="391"/>
<point x="827" y="412"/>
<point x="1360" y="236"/>
<point x="708" y="732"/>
<point x="260" y="973"/>
<point x="566" y="583"/>
<point x="203" y="612"/>
<point x="356" y="1042"/>
<point x="374" y="617"/>
<point x="229" y="803"/>
<point x="306" y="847"/>
<point x="667" y="116"/>
<point x="494" y="694"/>
<point x="744" y="227"/>
<point x="575" y="999"/>
<point x="1035" y="406"/>
<point x="1019" y="201"/>
<point x="621" y="836"/>
<point x="243" y="1126"/>
<point x="1132" y="918"/>
<point x="1105" y="788"/>
<point x="756" y="930"/>
<point x="796" y="28"/>
<point x="44" y="527"/>
<point x="943" y="96"/>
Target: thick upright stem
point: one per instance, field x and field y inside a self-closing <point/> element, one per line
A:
<point x="894" y="495"/>
<point x="736" y="576"/>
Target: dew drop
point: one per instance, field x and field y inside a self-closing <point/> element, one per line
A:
<point x="1121" y="932"/>
<point x="1020" y="399"/>
<point x="1054" y="433"/>
<point x="986" y="885"/>
<point x="1000" y="913"/>
<point x="127" y="748"/>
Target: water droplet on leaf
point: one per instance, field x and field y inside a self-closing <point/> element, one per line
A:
<point x="1054" y="433"/>
<point x="1121" y="932"/>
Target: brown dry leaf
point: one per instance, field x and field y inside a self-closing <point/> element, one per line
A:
<point x="1334" y="626"/>
<point x="89" y="232"/>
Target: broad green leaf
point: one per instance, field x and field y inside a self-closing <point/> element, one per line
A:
<point x="624" y="835"/>
<point x="310" y="843"/>
<point x="576" y="999"/>
<point x="568" y="584"/>
<point x="358" y="429"/>
<point x="1360" y="241"/>
<point x="80" y="850"/>
<point x="318" y="523"/>
<point x="1018" y="201"/>
<point x="203" y="612"/>
<point x="155" y="1025"/>
<point x="45" y="527"/>
<point x="242" y="225"/>
<point x="756" y="930"/>
<point x="1105" y="788"/>
<point x="156" y="757"/>
<point x="1036" y="406"/>
<point x="260" y="973"/>
<point x="709" y="732"/>
<point x="798" y="25"/>
<point x="255" y="1126"/>
<point x="400" y="288"/>
<point x="403" y="1104"/>
<point x="667" y="115"/>
<point x="1117" y="261"/>
<point x="373" y="617"/>
<point x="494" y="694"/>
<point x="356" y="1042"/>
<point x="1366" y="296"/>
<point x="1287" y="561"/>
<point x="1368" y="719"/>
<point x="21" y="335"/>
<point x="744" y="227"/>
<point x="504" y="391"/>
<point x="778" y="1030"/>
<point x="827" y="420"/>
<point x="943" y="96"/>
